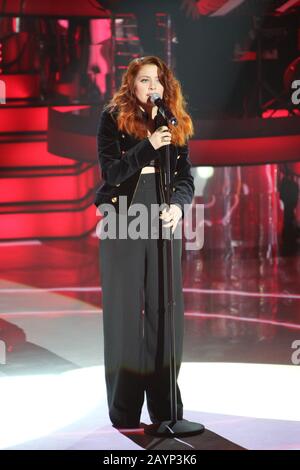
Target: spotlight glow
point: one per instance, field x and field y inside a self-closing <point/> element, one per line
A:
<point x="38" y="405"/>
<point x="267" y="391"/>
<point x="205" y="172"/>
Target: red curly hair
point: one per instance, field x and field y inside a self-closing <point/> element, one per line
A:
<point x="129" y="114"/>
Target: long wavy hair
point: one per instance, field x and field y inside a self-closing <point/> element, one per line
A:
<point x="130" y="117"/>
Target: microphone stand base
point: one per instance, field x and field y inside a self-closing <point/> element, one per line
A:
<point x="171" y="429"/>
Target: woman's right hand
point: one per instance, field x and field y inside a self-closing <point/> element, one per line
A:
<point x="159" y="138"/>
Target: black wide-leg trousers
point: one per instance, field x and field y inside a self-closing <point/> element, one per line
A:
<point x="135" y="318"/>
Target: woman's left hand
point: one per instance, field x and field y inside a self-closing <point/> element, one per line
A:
<point x="171" y="216"/>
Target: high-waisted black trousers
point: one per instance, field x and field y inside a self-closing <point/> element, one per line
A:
<point x="135" y="318"/>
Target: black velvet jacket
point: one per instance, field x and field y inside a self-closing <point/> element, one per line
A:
<point x="122" y="157"/>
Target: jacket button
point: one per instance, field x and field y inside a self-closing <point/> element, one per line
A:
<point x="114" y="199"/>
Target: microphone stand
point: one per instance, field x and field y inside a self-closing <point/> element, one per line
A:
<point x="172" y="427"/>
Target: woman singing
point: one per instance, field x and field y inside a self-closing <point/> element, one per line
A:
<point x="132" y="139"/>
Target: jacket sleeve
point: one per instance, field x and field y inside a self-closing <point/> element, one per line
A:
<point x="117" y="167"/>
<point x="183" y="183"/>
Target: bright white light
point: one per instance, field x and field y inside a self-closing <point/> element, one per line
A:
<point x="35" y="406"/>
<point x="20" y="243"/>
<point x="227" y="7"/>
<point x="252" y="390"/>
<point x="205" y="172"/>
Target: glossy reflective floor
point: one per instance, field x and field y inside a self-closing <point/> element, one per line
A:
<point x="242" y="332"/>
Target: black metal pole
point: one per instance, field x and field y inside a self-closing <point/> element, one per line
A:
<point x="173" y="427"/>
<point x="171" y="300"/>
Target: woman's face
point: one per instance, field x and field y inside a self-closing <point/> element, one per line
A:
<point x="147" y="82"/>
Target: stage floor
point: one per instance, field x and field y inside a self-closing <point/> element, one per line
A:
<point x="239" y="375"/>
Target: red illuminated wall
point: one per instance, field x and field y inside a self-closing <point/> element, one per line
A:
<point x="41" y="194"/>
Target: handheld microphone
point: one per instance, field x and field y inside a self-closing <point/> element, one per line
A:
<point x="163" y="109"/>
